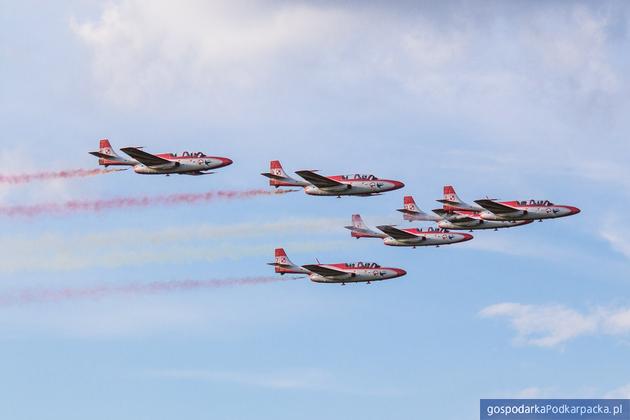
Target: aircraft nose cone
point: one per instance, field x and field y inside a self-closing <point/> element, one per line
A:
<point x="467" y="237"/>
<point x="400" y="272"/>
<point x="398" y="185"/>
<point x="226" y="161"/>
<point x="573" y="210"/>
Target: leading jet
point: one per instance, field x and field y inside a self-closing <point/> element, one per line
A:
<point x="454" y="219"/>
<point x="501" y="211"/>
<point x="412" y="237"/>
<point x="524" y="210"/>
<point x="335" y="185"/>
<point x="195" y="163"/>
<point x="336" y="273"/>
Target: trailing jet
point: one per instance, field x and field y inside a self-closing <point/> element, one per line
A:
<point x="455" y="219"/>
<point x="336" y="273"/>
<point x="195" y="163"/>
<point x="406" y="237"/>
<point x="336" y="185"/>
<point x="524" y="210"/>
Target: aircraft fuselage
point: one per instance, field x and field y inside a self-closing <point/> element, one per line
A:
<point x="355" y="187"/>
<point x="427" y="238"/>
<point x="356" y="275"/>
<point x="530" y="212"/>
<point x="183" y="165"/>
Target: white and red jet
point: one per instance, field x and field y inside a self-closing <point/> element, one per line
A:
<point x="454" y="219"/>
<point x="336" y="273"/>
<point x="195" y="163"/>
<point x="507" y="211"/>
<point x="336" y="185"/>
<point x="413" y="237"/>
<point x="524" y="210"/>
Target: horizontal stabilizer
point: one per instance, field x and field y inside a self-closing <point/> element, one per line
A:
<point x="273" y="176"/>
<point x="102" y="155"/>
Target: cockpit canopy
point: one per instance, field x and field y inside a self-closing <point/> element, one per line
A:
<point x="432" y="229"/>
<point x="190" y="154"/>
<point x="535" y="203"/>
<point x="362" y="265"/>
<point x="359" y="177"/>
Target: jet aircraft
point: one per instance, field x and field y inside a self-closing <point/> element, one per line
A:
<point x="336" y="273"/>
<point x="513" y="211"/>
<point x="454" y="219"/>
<point x="524" y="210"/>
<point x="336" y="185"/>
<point x="195" y="163"/>
<point x="406" y="237"/>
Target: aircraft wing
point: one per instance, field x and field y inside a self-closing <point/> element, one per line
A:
<point x="495" y="207"/>
<point x="396" y="233"/>
<point x="324" y="271"/>
<point x="146" y="158"/>
<point x="318" y="180"/>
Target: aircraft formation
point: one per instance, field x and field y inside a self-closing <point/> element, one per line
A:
<point x="454" y="215"/>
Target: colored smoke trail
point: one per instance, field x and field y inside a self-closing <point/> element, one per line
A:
<point x="32" y="296"/>
<point x="45" y="176"/>
<point x="94" y="206"/>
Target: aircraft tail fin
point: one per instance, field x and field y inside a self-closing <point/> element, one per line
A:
<point x="107" y="156"/>
<point x="279" y="178"/>
<point x="411" y="212"/>
<point x="360" y="230"/>
<point x="284" y="265"/>
<point x="452" y="201"/>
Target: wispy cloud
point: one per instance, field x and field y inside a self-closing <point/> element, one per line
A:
<point x="307" y="379"/>
<point x="519" y="247"/>
<point x="553" y="325"/>
<point x="621" y="392"/>
<point x="299" y="379"/>
<point x="615" y="233"/>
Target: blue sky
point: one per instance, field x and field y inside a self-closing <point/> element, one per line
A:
<point x="508" y="100"/>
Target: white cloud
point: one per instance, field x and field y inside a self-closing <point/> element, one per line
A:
<point x="615" y="234"/>
<point x="553" y="325"/>
<point x="540" y="83"/>
<point x="143" y="48"/>
<point x="623" y="392"/>
<point x="158" y="45"/>
<point x="543" y="325"/>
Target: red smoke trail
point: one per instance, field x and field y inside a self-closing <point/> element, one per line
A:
<point x="44" y="176"/>
<point x="31" y="296"/>
<point x="129" y="202"/>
